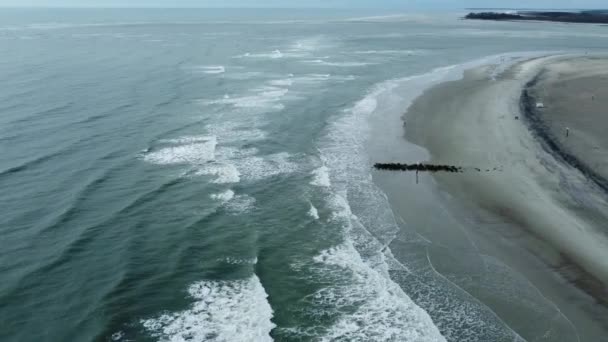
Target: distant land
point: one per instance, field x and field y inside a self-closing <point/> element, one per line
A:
<point x="587" y="16"/>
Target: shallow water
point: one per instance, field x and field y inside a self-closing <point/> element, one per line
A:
<point x="206" y="174"/>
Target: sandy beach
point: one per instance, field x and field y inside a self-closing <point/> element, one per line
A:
<point x="525" y="236"/>
<point x="573" y="118"/>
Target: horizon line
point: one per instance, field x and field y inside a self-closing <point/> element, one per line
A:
<point x="300" y="7"/>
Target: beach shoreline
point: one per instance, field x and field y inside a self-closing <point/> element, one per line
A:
<point x="533" y="216"/>
<point x="548" y="102"/>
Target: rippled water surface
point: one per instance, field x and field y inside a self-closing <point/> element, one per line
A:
<point x="203" y="174"/>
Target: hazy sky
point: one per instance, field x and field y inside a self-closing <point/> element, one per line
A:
<point x="313" y="3"/>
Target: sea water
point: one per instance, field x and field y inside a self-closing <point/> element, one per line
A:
<point x="179" y="175"/>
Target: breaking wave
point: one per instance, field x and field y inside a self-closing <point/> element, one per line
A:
<point x="223" y="311"/>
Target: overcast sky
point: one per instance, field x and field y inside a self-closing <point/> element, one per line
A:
<point x="312" y="3"/>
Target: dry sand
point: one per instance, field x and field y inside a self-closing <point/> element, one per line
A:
<point x="536" y="207"/>
<point x="575" y="95"/>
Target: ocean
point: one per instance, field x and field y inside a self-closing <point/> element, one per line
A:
<point x="205" y="175"/>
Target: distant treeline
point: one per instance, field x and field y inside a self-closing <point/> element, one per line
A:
<point x="591" y="17"/>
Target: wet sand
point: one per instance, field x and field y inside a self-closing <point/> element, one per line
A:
<point x="528" y="241"/>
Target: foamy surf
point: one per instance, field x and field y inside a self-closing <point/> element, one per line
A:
<point x="224" y="173"/>
<point x="226" y="164"/>
<point x="318" y="78"/>
<point x="313" y="212"/>
<point x="321" y="177"/>
<point x="309" y="79"/>
<point x="310" y="44"/>
<point x="266" y="98"/>
<point x="234" y="204"/>
<point x="213" y="69"/>
<point x="238" y="261"/>
<point x="223" y="197"/>
<point x="337" y="64"/>
<point x="380" y="310"/>
<point x="375" y="307"/>
<point x="188" y="139"/>
<point x="286" y="82"/>
<point x="192" y="152"/>
<point x="149" y="166"/>
<point x="260" y="167"/>
<point x="276" y="54"/>
<point x="117" y="336"/>
<point x="372" y="305"/>
<point x="223" y="311"/>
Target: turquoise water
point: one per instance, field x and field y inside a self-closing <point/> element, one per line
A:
<point x="204" y="174"/>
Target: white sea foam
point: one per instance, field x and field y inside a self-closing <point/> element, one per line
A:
<point x="212" y="69"/>
<point x="230" y="153"/>
<point x="286" y="82"/>
<point x="207" y="158"/>
<point x="313" y="212"/>
<point x="314" y="78"/>
<point x="267" y="98"/>
<point x="188" y="139"/>
<point x="227" y="164"/>
<point x="238" y="261"/>
<point x="276" y="54"/>
<point x="337" y="64"/>
<point x="299" y="49"/>
<point x="193" y="153"/>
<point x="223" y="197"/>
<point x="117" y="336"/>
<point x="310" y="44"/>
<point x="223" y="311"/>
<point x="260" y="167"/>
<point x="309" y="79"/>
<point x="382" y="311"/>
<point x="302" y="80"/>
<point x="321" y="177"/>
<point x="373" y="306"/>
<point x="225" y="173"/>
